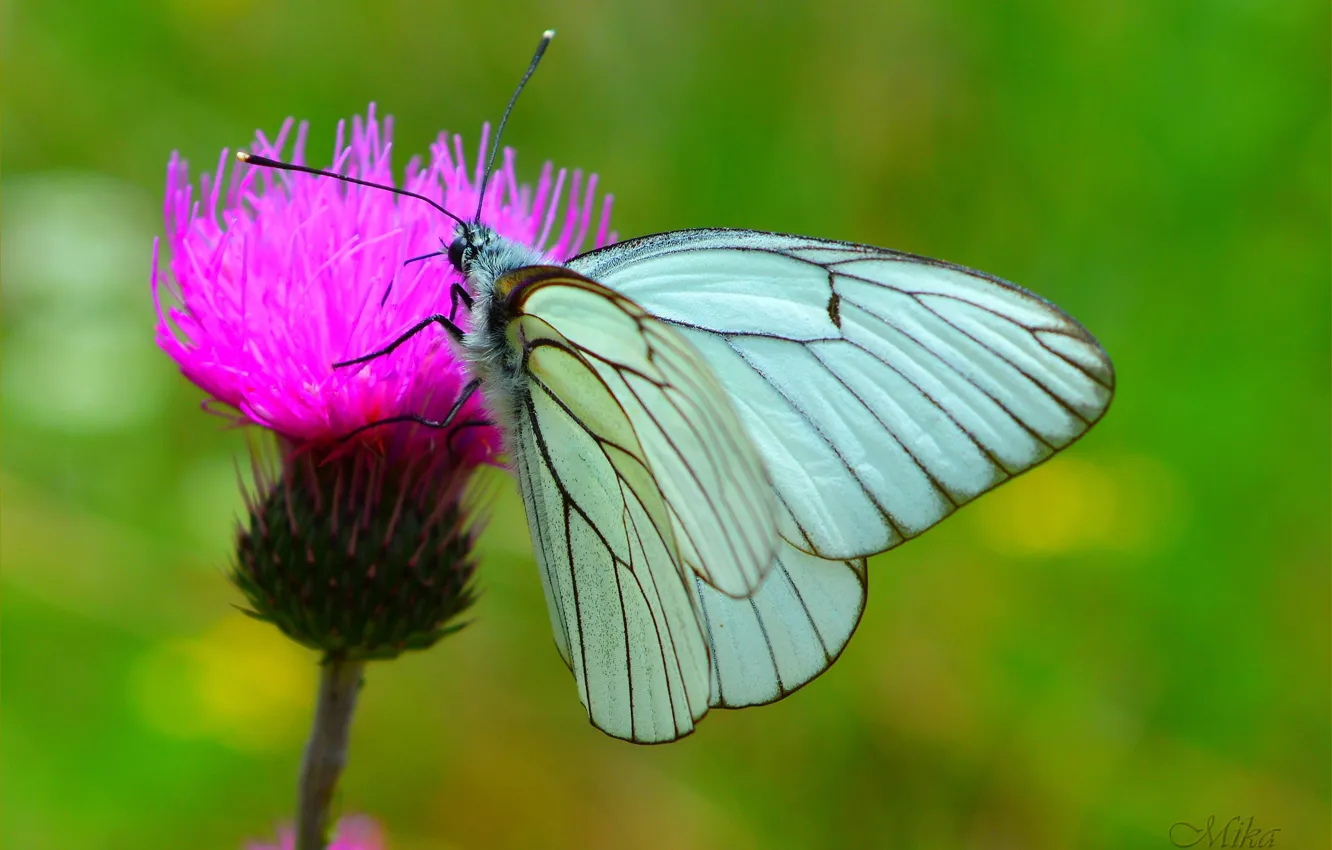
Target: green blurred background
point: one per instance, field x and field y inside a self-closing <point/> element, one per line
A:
<point x="1135" y="635"/>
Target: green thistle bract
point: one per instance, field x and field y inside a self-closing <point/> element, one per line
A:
<point x="356" y="556"/>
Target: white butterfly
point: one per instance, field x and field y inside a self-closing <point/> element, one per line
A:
<point x="713" y="429"/>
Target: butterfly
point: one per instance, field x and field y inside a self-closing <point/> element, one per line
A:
<point x="713" y="429"/>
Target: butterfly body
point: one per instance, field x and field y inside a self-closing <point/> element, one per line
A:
<point x="482" y="256"/>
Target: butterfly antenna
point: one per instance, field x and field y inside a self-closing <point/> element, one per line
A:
<point x="265" y="162"/>
<point x="494" y="148"/>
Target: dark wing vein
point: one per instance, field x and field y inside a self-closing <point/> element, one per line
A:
<point x="713" y="656"/>
<point x="767" y="641"/>
<point x="883" y="511"/>
<point x="953" y="367"/>
<point x="818" y="633"/>
<point x="1081" y="334"/>
<point x="538" y="530"/>
<point x="985" y="345"/>
<point x="942" y="408"/>
<point x="934" y="482"/>
<point x="707" y="495"/>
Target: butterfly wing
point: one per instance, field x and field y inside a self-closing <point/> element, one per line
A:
<point x="883" y="389"/>
<point x="623" y="619"/>
<point x="637" y="478"/>
<point x="717" y="490"/>
<point x="788" y="632"/>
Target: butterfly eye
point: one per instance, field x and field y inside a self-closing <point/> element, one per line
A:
<point x="456" y="252"/>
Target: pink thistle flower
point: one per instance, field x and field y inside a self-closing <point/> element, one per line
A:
<point x="355" y="832"/>
<point x="359" y="547"/>
<point x="280" y="275"/>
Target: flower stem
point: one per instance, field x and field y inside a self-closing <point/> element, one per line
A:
<point x="326" y="751"/>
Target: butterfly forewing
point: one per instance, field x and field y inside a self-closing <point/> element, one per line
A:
<point x="638" y="480"/>
<point x="716" y="487"/>
<point x="884" y="390"/>
<point x="622" y="621"/>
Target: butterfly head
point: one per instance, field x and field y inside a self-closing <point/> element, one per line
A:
<point x="482" y="256"/>
<point x="470" y="240"/>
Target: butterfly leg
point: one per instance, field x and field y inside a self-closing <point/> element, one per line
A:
<point x="436" y="319"/>
<point x="463" y="426"/>
<point x="456" y="294"/>
<point x="467" y="392"/>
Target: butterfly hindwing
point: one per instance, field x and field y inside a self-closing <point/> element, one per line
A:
<point x="791" y="630"/>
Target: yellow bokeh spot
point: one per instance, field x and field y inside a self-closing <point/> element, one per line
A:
<point x="241" y="683"/>
<point x="1071" y="504"/>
